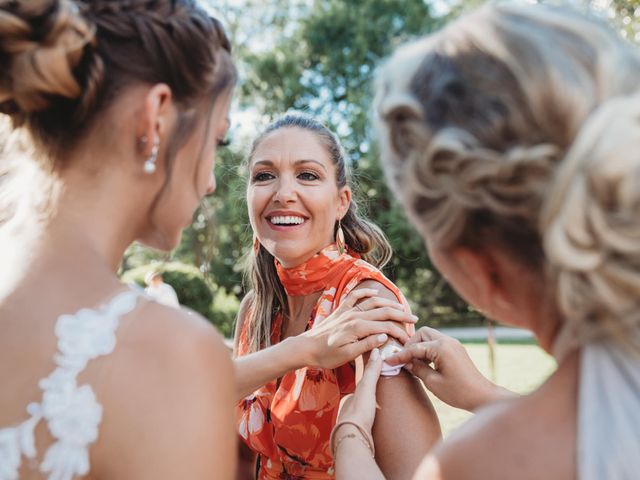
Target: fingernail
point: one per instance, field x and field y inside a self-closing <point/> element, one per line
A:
<point x="375" y="353"/>
<point x="382" y="337"/>
<point x="415" y="317"/>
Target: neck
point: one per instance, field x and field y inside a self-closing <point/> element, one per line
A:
<point x="102" y="204"/>
<point x="93" y="223"/>
<point x="545" y="325"/>
<point x="299" y="304"/>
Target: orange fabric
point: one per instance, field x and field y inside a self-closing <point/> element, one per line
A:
<point x="288" y="422"/>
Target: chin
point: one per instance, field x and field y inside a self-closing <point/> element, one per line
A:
<point x="159" y="240"/>
<point x="291" y="258"/>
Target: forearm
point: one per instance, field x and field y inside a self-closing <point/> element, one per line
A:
<point x="491" y="394"/>
<point x="353" y="460"/>
<point x="405" y="411"/>
<point x="256" y="369"/>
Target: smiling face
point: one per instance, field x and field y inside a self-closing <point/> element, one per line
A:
<point x="293" y="199"/>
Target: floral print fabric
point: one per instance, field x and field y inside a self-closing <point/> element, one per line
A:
<point x="288" y="421"/>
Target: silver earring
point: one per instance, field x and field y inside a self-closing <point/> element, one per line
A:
<point x="150" y="162"/>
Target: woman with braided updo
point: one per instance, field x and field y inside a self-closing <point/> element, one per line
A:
<point x="511" y="138"/>
<point x="122" y="104"/>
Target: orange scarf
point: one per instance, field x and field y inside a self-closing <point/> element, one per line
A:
<point x="324" y="268"/>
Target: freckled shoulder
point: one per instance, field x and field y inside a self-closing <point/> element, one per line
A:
<point x="383" y="291"/>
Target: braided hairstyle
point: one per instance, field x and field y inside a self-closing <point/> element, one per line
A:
<point x="517" y="127"/>
<point x="62" y="62"/>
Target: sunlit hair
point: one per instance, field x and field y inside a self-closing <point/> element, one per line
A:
<point x="361" y="236"/>
<point x="519" y="127"/>
<point x="63" y="62"/>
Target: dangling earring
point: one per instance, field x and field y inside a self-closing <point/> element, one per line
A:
<point x="256" y="246"/>
<point x="150" y="162"/>
<point x="340" y="238"/>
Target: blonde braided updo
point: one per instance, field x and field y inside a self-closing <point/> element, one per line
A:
<point x="517" y="126"/>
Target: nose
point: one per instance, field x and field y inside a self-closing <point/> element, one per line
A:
<point x="211" y="187"/>
<point x="285" y="191"/>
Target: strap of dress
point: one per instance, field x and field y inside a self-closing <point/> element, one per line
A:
<point x="71" y="411"/>
<point x="608" y="403"/>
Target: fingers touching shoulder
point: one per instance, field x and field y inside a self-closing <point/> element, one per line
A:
<point x="383" y="291"/>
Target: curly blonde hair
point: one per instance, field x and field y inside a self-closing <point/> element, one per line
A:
<point x="520" y="126"/>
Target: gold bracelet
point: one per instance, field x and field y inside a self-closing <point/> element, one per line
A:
<point x="351" y="435"/>
<point x="365" y="437"/>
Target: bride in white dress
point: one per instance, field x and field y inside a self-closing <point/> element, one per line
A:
<point x="123" y="104"/>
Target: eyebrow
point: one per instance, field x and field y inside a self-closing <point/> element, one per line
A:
<point x="297" y="162"/>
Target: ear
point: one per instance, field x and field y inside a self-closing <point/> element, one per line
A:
<point x="154" y="120"/>
<point x="344" y="201"/>
<point x="481" y="274"/>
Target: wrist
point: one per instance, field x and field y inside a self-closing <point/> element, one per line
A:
<point x="346" y="430"/>
<point x="297" y="351"/>
<point x="488" y="394"/>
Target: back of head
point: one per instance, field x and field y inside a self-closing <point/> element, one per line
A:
<point x="63" y="62"/>
<point x="518" y="126"/>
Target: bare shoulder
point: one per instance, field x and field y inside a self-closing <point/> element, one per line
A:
<point x="512" y="439"/>
<point x="376" y="285"/>
<point x="480" y="437"/>
<point x="168" y="389"/>
<point x="156" y="329"/>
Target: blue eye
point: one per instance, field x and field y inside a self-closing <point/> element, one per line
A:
<point x="308" y="176"/>
<point x="262" y="177"/>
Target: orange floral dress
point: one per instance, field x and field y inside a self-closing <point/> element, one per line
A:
<point x="288" y="421"/>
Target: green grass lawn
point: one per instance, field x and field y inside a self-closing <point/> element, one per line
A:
<point x="519" y="367"/>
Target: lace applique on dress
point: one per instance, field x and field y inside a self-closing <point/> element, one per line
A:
<point x="71" y="411"/>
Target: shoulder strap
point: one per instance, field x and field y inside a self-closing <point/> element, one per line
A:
<point x="71" y="411"/>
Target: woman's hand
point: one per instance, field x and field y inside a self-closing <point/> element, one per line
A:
<point x="361" y="323"/>
<point x="360" y="407"/>
<point x="453" y="377"/>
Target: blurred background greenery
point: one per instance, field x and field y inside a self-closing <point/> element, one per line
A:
<point x="318" y="57"/>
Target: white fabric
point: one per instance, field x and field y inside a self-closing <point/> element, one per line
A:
<point x="609" y="412"/>
<point x="71" y="411"/>
<point x="164" y="294"/>
<point x="389" y="348"/>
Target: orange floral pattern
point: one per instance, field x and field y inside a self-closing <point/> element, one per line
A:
<point x="288" y="421"/>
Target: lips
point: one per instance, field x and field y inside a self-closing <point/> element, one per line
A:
<point x="284" y="220"/>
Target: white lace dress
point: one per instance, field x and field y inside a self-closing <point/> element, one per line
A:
<point x="71" y="411"/>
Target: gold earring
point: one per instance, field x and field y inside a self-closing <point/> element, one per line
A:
<point x="340" y="238"/>
<point x="256" y="246"/>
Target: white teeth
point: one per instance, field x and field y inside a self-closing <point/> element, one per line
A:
<point x="288" y="220"/>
